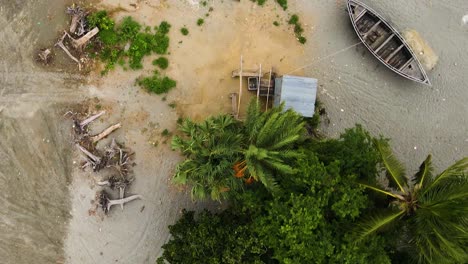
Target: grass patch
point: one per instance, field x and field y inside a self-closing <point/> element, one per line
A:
<point x="161" y="62"/>
<point x="157" y="84"/>
<point x="172" y="105"/>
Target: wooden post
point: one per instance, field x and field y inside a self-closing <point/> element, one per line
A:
<point x="268" y="92"/>
<point x="240" y="87"/>
<point x="259" y="82"/>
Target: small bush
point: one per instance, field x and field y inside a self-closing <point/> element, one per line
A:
<point x="166" y="133"/>
<point x="161" y="62"/>
<point x="276" y="23"/>
<point x="129" y="28"/>
<point x="157" y="84"/>
<point x="302" y="40"/>
<point x="200" y="21"/>
<point x="101" y="20"/>
<point x="184" y="31"/>
<point x="283" y="4"/>
<point x="164" y="28"/>
<point x="293" y="20"/>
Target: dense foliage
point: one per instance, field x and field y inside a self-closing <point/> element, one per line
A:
<point x="429" y="214"/>
<point x="222" y="153"/>
<point x="211" y="148"/>
<point x="307" y="221"/>
<point x="322" y="208"/>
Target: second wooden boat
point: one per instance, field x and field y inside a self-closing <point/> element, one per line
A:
<point x="385" y="42"/>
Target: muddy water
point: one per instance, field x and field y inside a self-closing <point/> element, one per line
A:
<point x="34" y="147"/>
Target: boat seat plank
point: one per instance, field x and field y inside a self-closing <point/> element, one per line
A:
<point x="406" y="64"/>
<point x="360" y="15"/>
<point x="372" y="28"/>
<point x="384" y="43"/>
<point x="389" y="57"/>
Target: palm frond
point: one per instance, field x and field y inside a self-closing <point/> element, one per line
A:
<point x="394" y="168"/>
<point x="376" y="223"/>
<point x="425" y="171"/>
<point x="459" y="169"/>
<point x="378" y="189"/>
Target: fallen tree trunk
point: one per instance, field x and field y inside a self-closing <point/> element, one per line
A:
<point x="81" y="42"/>
<point x="105" y="133"/>
<point x="91" y="119"/>
<point x="90" y="155"/>
<point x="122" y="201"/>
<point x="60" y="44"/>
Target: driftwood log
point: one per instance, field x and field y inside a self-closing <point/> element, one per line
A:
<point x="81" y="42"/>
<point x="90" y="119"/>
<point x="107" y="203"/>
<point x="61" y="45"/>
<point x="106" y="132"/>
<point x="44" y="56"/>
<point x="78" y="20"/>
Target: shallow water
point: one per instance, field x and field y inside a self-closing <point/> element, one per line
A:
<point x="354" y="87"/>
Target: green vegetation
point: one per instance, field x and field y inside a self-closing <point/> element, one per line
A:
<point x="211" y="148"/>
<point x="298" y="30"/>
<point x="127" y="41"/>
<point x="283" y="4"/>
<point x="428" y="213"/>
<point x="296" y="199"/>
<point x="161" y="62"/>
<point x="200" y="21"/>
<point x="276" y="23"/>
<point x="157" y="84"/>
<point x="184" y="31"/>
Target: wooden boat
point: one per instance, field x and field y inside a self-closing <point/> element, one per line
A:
<point x="385" y="42"/>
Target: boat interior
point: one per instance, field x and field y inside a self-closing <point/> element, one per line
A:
<point x="384" y="42"/>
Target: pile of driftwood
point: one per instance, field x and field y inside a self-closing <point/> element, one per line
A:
<point x="113" y="157"/>
<point x="78" y="35"/>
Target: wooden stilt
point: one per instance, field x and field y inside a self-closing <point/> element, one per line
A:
<point x="268" y="91"/>
<point x="259" y="82"/>
<point x="240" y="87"/>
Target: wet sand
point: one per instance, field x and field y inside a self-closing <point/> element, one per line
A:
<point x="355" y="88"/>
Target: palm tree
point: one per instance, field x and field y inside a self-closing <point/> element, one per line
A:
<point x="430" y="213"/>
<point x="210" y="148"/>
<point x="270" y="139"/>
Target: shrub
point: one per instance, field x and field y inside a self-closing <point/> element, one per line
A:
<point x="101" y="20"/>
<point x="164" y="28"/>
<point x="293" y="20"/>
<point x="157" y="84"/>
<point x="129" y="28"/>
<point x="200" y="21"/>
<point x="184" y="31"/>
<point x="161" y="62"/>
<point x="276" y="23"/>
<point x="283" y="4"/>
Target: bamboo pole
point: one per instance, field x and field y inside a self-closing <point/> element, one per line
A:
<point x="268" y="92"/>
<point x="240" y="87"/>
<point x="259" y="82"/>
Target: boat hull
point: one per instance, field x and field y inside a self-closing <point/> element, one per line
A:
<point x="385" y="43"/>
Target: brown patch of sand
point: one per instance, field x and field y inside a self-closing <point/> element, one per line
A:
<point x="201" y="63"/>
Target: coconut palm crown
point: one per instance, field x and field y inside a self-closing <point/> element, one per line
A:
<point x="270" y="143"/>
<point x="430" y="213"/>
